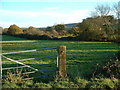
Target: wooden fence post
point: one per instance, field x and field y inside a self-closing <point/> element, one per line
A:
<point x="62" y="61"/>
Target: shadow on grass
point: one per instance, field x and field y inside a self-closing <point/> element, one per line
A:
<point x="42" y="37"/>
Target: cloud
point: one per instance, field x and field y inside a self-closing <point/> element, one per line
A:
<point x="77" y="16"/>
<point x="40" y="19"/>
<point x="17" y="13"/>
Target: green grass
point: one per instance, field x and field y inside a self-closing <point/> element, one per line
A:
<point x="82" y="56"/>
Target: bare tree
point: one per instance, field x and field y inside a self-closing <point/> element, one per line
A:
<point x="106" y="21"/>
<point x="102" y="10"/>
<point x="117" y="11"/>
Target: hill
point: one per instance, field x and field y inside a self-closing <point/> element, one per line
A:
<point x="71" y="24"/>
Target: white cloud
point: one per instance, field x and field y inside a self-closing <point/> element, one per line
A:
<point x="18" y="13"/>
<point x="40" y="19"/>
<point x="77" y="16"/>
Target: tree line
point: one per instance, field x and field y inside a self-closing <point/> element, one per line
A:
<point x="101" y="26"/>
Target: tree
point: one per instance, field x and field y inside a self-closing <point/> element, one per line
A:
<point x="59" y="27"/>
<point x="91" y="29"/>
<point x="33" y="31"/>
<point x="107" y="22"/>
<point x="5" y="30"/>
<point x="76" y="31"/>
<point x="117" y="11"/>
<point x="116" y="8"/>
<point x="14" y="30"/>
<point x="49" y="29"/>
<point x="54" y="33"/>
<point x="1" y="30"/>
<point x="102" y="10"/>
<point x="95" y="28"/>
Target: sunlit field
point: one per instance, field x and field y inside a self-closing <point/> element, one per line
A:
<point x="82" y="56"/>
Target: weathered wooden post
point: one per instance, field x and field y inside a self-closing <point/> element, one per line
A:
<point x="62" y="61"/>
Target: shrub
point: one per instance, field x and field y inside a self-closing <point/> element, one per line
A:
<point x="5" y="30"/>
<point x="28" y="83"/>
<point x="13" y="78"/>
<point x="102" y="83"/>
<point x="59" y="27"/>
<point x="110" y="70"/>
<point x="63" y="83"/>
<point x="33" y="31"/>
<point x="63" y="33"/>
<point x="42" y="85"/>
<point x="81" y="82"/>
<point x="76" y="31"/>
<point x="54" y="33"/>
<point x="14" y="30"/>
<point x="10" y="85"/>
<point x="1" y="30"/>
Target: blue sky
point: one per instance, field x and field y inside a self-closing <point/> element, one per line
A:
<point x="43" y="13"/>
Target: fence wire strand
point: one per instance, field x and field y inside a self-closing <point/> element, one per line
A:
<point x="19" y="63"/>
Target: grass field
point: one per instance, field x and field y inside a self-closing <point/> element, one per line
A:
<point x="82" y="56"/>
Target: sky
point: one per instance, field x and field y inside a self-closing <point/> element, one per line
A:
<point x="43" y="13"/>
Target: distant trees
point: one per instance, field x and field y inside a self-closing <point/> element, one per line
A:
<point x="116" y="8"/>
<point x="1" y="30"/>
<point x="5" y="30"/>
<point x="33" y="31"/>
<point x="49" y="29"/>
<point x="59" y="27"/>
<point x="14" y="30"/>
<point x="76" y="30"/>
<point x="102" y="25"/>
<point x="91" y="29"/>
<point x="53" y="34"/>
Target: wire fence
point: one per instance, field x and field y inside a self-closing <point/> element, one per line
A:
<point x="34" y="70"/>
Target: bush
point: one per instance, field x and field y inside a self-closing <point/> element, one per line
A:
<point x="14" y="30"/>
<point x="13" y="78"/>
<point x="59" y="27"/>
<point x="5" y="30"/>
<point x="102" y="83"/>
<point x="28" y="83"/>
<point x="82" y="83"/>
<point x="105" y="83"/>
<point x="63" y="83"/>
<point x="110" y="70"/>
<point x="10" y="85"/>
<point x="54" y="33"/>
<point x="63" y="33"/>
<point x="33" y="31"/>
<point x="1" y="30"/>
<point x="42" y="85"/>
